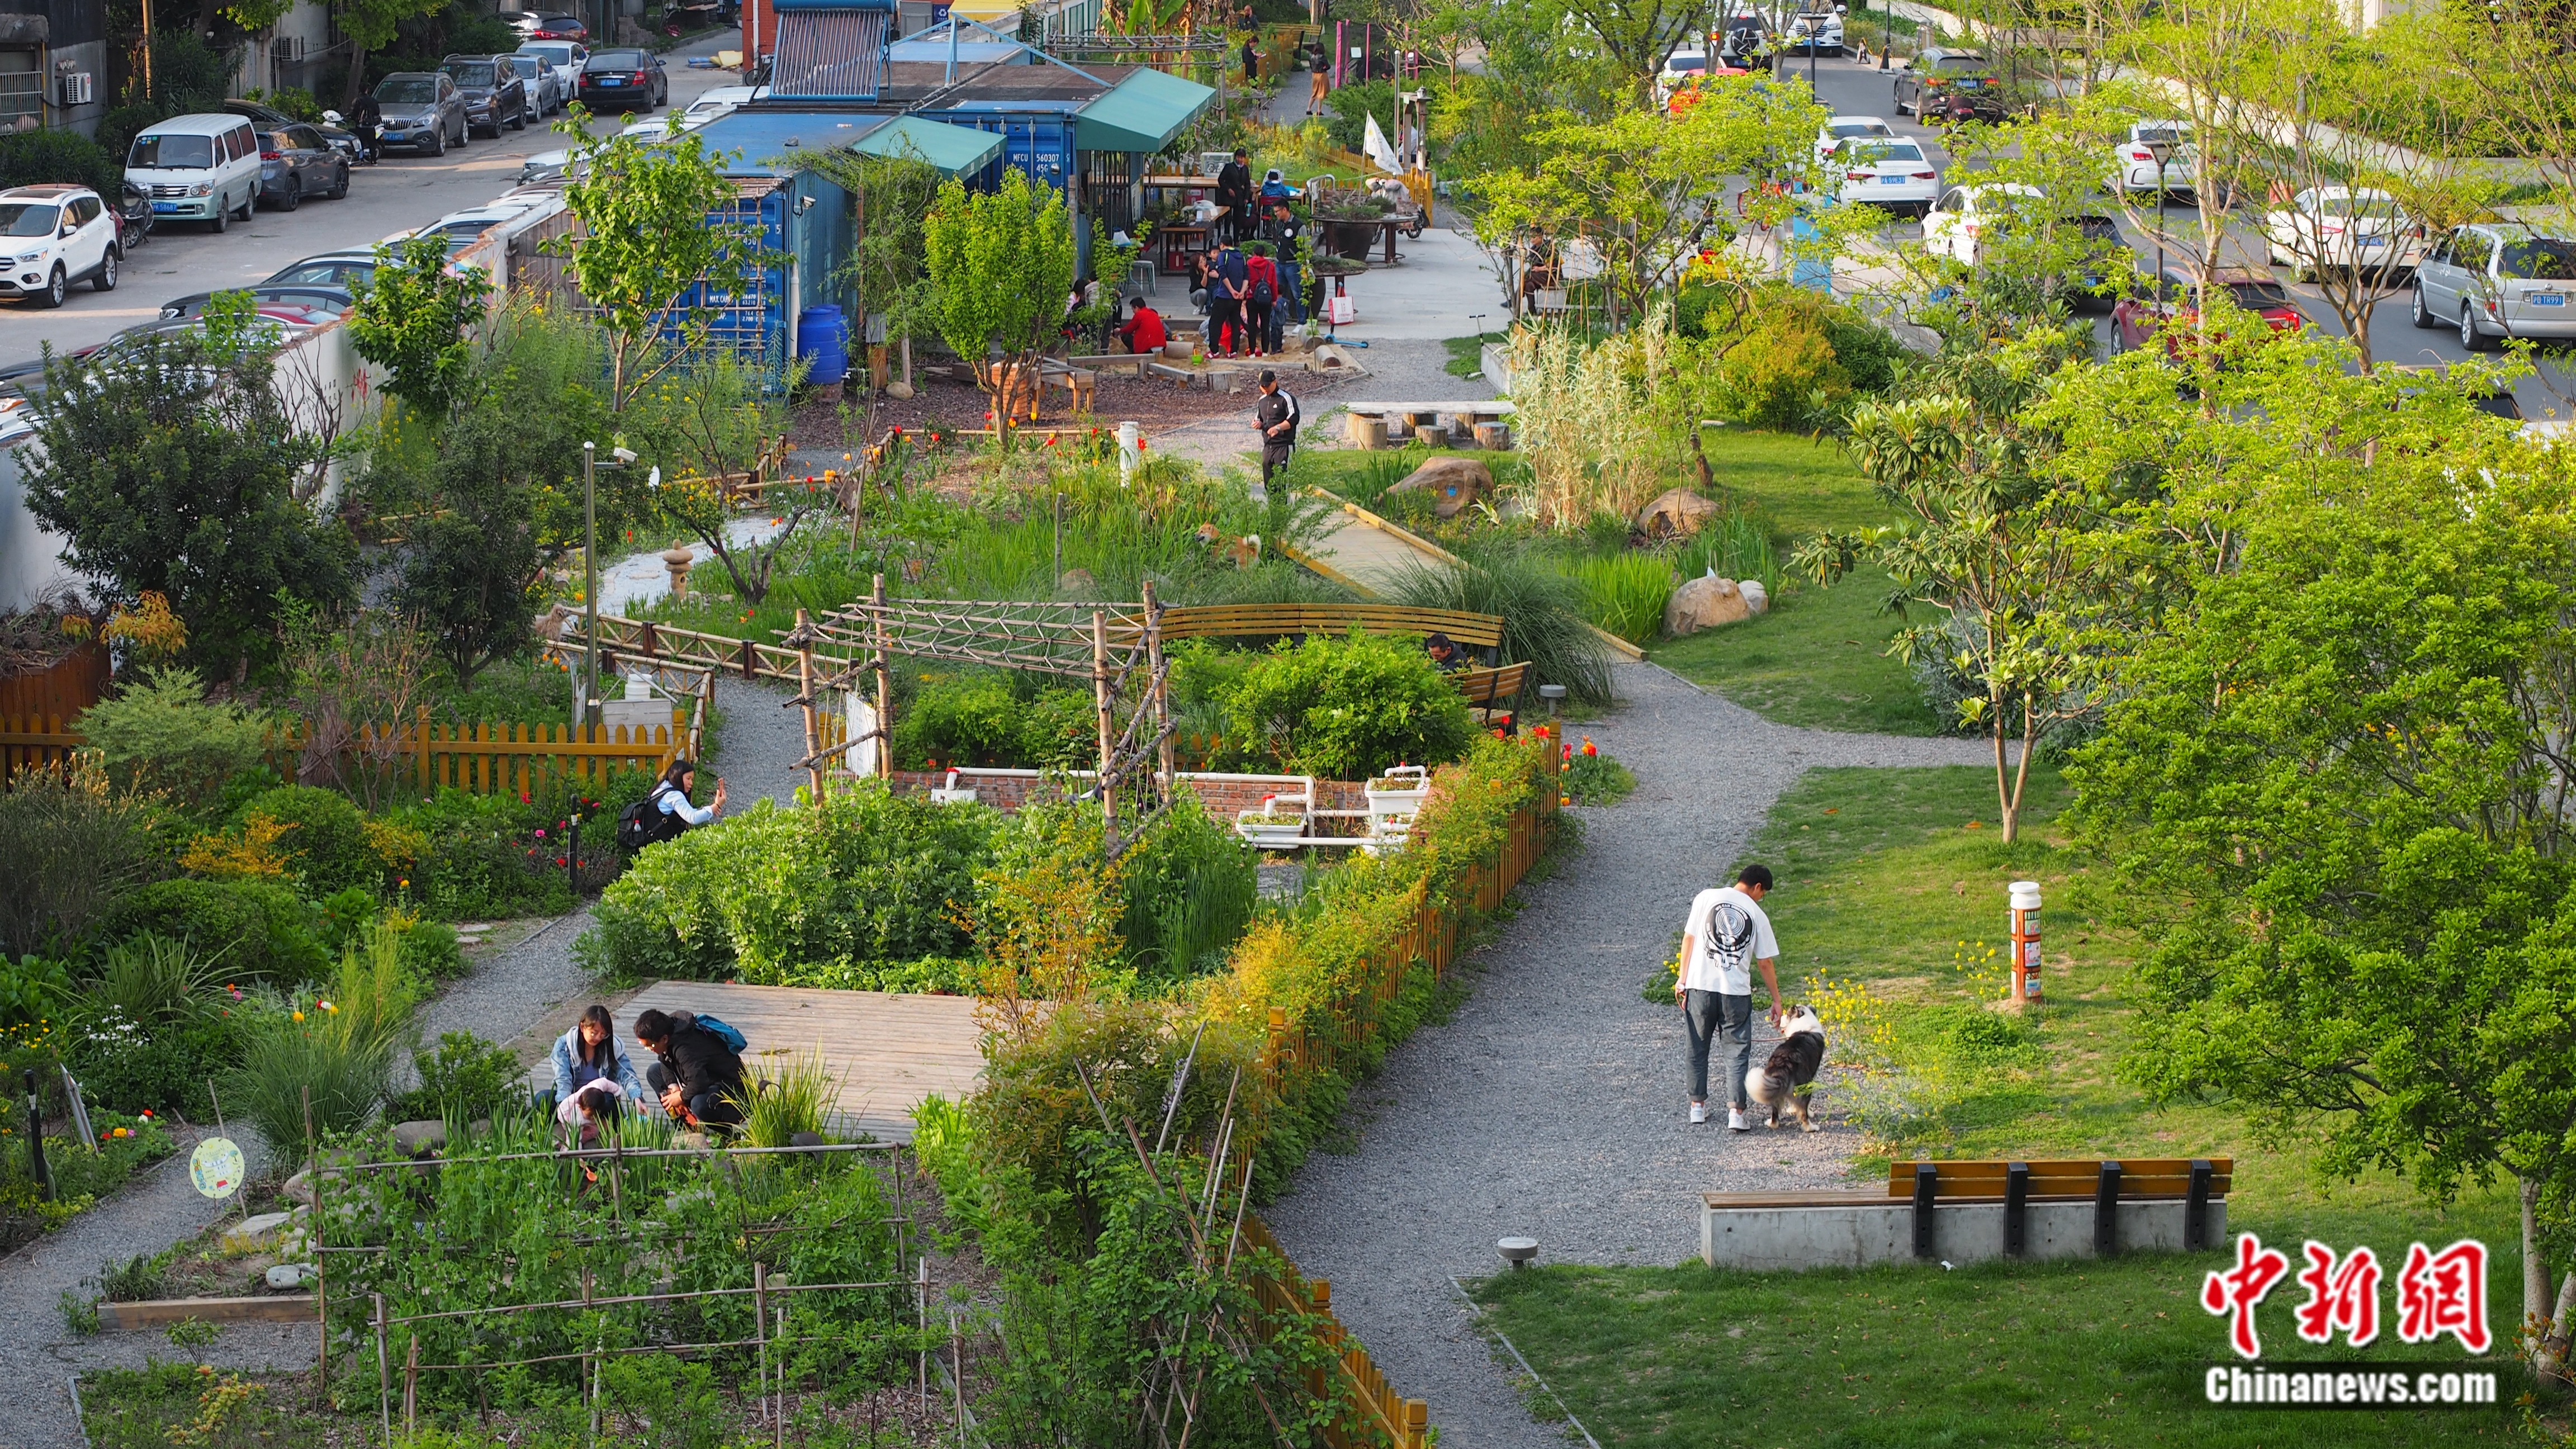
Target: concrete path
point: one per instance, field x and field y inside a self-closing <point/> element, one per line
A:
<point x="1553" y="1104"/>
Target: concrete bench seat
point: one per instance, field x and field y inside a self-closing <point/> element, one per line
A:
<point x="1973" y="1212"/>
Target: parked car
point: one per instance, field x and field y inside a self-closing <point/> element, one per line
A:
<point x="2154" y="156"/>
<point x="423" y="110"/>
<point x="203" y="167"/>
<point x="303" y="305"/>
<point x="1816" y="31"/>
<point x="2498" y="280"/>
<point x="1844" y="128"/>
<point x="560" y="60"/>
<point x="544" y="166"/>
<point x="1937" y="76"/>
<point x="1744" y="37"/>
<point x="1893" y="174"/>
<point x="495" y="91"/>
<point x="294" y="162"/>
<point x="630" y="78"/>
<point x="2336" y="226"/>
<point x="52" y="236"/>
<point x="550" y="25"/>
<point x="270" y="118"/>
<point x="2174" y="300"/>
<point x="1959" y="222"/>
<point x="550" y="86"/>
<point x="1678" y="67"/>
<point x="328" y="269"/>
<point x="460" y="228"/>
<point x="718" y="101"/>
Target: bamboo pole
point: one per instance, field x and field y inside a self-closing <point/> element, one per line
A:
<point x="885" y="684"/>
<point x="1162" y="687"/>
<point x="804" y="637"/>
<point x="1108" y="734"/>
<point x="384" y="1374"/>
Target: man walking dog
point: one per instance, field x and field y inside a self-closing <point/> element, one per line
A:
<point x="1726" y="935"/>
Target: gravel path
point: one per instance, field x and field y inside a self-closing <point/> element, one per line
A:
<point x="1552" y="1104"/>
<point x="760" y="743"/>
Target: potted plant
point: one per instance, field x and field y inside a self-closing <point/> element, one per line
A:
<point x="1401" y="788"/>
<point x="1350" y="220"/>
<point x="1273" y="824"/>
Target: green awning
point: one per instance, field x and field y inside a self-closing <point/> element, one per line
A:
<point x="955" y="150"/>
<point x="1141" y="113"/>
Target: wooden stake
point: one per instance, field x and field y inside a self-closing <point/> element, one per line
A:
<point x="885" y="680"/>
<point x="1162" y="686"/>
<point x="1108" y="732"/>
<point x="384" y="1374"/>
<point x="411" y="1387"/>
<point x="321" y="1260"/>
<point x="805" y="692"/>
<point x="760" y="1324"/>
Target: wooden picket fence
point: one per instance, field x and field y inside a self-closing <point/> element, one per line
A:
<point x="1298" y="1052"/>
<point x="486" y="759"/>
<point x="1384" y="1416"/>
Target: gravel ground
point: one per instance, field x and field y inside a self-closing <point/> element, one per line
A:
<point x="760" y="743"/>
<point x="1552" y="1104"/>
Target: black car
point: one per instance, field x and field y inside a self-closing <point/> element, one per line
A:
<point x="549" y="25"/>
<point x="494" y="88"/>
<point x="633" y="79"/>
<point x="1947" y="82"/>
<point x="287" y="303"/>
<point x="269" y="118"/>
<point x="296" y="162"/>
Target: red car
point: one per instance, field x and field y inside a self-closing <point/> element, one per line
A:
<point x="2175" y="298"/>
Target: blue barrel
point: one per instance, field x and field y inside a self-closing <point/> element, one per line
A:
<point x="823" y="340"/>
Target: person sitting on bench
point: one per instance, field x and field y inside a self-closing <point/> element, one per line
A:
<point x="697" y="1075"/>
<point x="1445" y="654"/>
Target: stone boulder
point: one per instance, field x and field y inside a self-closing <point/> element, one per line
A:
<point x="1756" y="597"/>
<point x="1673" y="514"/>
<point x="1454" y="482"/>
<point x="1704" y="603"/>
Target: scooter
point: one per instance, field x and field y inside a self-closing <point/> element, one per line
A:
<point x="359" y="143"/>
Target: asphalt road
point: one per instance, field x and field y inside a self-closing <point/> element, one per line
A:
<point x="394" y="195"/>
<point x="1852" y="89"/>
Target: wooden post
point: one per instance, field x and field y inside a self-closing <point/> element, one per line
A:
<point x="885" y="684"/>
<point x="1108" y="726"/>
<point x="321" y="1260"/>
<point x="411" y="1386"/>
<point x="760" y="1324"/>
<point x="420" y="732"/>
<point x="805" y="691"/>
<point x="384" y="1374"/>
<point x="1162" y="687"/>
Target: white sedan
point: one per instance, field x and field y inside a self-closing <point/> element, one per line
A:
<point x="1844" y="128"/>
<point x="2155" y="155"/>
<point x="1818" y="32"/>
<point x="2338" y="227"/>
<point x="1958" y="224"/>
<point x="1892" y="174"/>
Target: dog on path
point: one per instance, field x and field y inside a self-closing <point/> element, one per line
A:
<point x="1786" y="1080"/>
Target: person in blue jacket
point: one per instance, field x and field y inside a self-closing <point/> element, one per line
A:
<point x="590" y="1052"/>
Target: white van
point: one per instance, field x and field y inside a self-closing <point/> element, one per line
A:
<point x="197" y="168"/>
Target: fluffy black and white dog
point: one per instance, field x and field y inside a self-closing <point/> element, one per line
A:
<point x="1788" y="1078"/>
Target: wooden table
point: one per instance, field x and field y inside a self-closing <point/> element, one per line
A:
<point x="1180" y="243"/>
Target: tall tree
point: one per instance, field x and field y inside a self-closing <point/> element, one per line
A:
<point x="1001" y="265"/>
<point x="414" y="316"/>
<point x="370" y="26"/>
<point x="170" y="466"/>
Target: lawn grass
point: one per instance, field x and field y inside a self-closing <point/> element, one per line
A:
<point x="1882" y="879"/>
<point x="1819" y="657"/>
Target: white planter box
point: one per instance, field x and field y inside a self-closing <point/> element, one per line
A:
<point x="1269" y="832"/>
<point x="940" y="795"/>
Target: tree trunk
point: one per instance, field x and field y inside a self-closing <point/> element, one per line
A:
<point x="2539" y="1318"/>
<point x="2003" y="777"/>
<point x="2551" y="1361"/>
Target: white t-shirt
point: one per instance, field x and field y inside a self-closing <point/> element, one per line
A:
<point x="1728" y="945"/>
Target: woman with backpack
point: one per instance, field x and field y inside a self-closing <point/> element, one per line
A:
<point x="666" y="812"/>
<point x="697" y="1070"/>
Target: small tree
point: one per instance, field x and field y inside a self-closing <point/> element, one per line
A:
<point x="649" y="256"/>
<point x="1987" y="544"/>
<point x="414" y="317"/>
<point x="470" y="561"/>
<point x="1001" y="264"/>
<point x="171" y="468"/>
<point x="714" y="422"/>
<point x="885" y="268"/>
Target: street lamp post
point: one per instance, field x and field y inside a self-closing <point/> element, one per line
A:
<point x="590" y="572"/>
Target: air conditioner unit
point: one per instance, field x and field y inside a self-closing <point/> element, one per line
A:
<point x="78" y="88"/>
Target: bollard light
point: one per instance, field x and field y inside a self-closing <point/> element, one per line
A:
<point x="2025" y="941"/>
<point x="1517" y="1251"/>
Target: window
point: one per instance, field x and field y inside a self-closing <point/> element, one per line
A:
<point x="406" y="90"/>
<point x="172" y="153"/>
<point x="85" y="209"/>
<point x="27" y="218"/>
<point x="471" y="75"/>
<point x="2538" y="259"/>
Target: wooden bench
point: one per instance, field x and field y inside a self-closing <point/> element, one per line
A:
<point x="1493" y="695"/>
<point x="1235" y="621"/>
<point x="1975" y="1210"/>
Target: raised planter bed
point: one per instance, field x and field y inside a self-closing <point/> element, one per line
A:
<point x="161" y="1312"/>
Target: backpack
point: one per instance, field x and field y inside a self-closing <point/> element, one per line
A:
<point x="735" y="1042"/>
<point x="646" y="823"/>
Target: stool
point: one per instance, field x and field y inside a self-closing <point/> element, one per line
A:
<point x="1140" y="274"/>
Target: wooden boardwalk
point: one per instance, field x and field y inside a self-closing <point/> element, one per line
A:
<point x="886" y="1050"/>
<point x="1368" y="554"/>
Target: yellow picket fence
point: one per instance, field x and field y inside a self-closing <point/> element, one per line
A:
<point x="34" y="741"/>
<point x="1383" y="1416"/>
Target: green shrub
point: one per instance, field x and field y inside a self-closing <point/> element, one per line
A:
<point x="1345" y="709"/>
<point x="326" y="839"/>
<point x="465" y="1079"/>
<point x="866" y="877"/>
<point x="982" y="720"/>
<point x="162" y="733"/>
<point x="343" y="1052"/>
<point x="32" y="989"/>
<point x="252" y="930"/>
<point x="1190" y="884"/>
<point x="30" y="158"/>
<point x="72" y="846"/>
<point x="127" y="1067"/>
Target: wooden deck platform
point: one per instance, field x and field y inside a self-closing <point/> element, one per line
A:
<point x="886" y="1050"/>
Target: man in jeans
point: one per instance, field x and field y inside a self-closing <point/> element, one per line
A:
<point x="1725" y="936"/>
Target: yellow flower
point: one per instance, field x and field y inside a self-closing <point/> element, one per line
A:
<point x="299" y="1016"/>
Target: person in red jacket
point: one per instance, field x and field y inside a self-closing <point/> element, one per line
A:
<point x="1143" y="332"/>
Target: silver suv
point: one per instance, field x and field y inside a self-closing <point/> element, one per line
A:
<point x="2497" y="280"/>
<point x="52" y="236"/>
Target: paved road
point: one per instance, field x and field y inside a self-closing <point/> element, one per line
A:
<point x="1851" y="88"/>
<point x="394" y="195"/>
